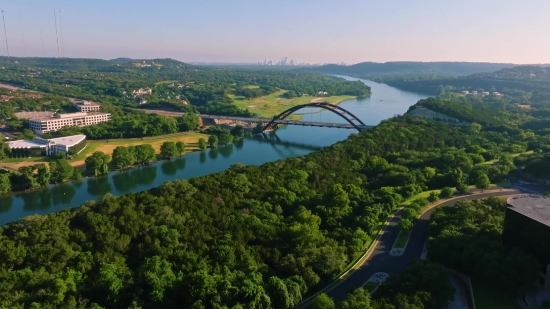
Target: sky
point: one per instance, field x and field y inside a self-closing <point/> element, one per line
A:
<point x="315" y="31"/>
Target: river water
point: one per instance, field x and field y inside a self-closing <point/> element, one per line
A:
<point x="290" y="141"/>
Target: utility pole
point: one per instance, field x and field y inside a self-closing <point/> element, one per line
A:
<point x="5" y="34"/>
<point x="57" y="38"/>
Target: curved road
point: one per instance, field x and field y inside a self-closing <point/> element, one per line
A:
<point x="380" y="259"/>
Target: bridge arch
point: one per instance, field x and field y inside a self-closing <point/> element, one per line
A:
<point x="343" y="113"/>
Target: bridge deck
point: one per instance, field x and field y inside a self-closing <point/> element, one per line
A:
<point x="266" y="120"/>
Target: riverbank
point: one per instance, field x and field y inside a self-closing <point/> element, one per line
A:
<point x="191" y="140"/>
<point x="289" y="142"/>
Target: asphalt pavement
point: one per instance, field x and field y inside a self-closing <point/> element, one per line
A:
<point x="381" y="260"/>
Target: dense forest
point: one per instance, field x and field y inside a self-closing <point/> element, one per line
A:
<point x="171" y="82"/>
<point x="249" y="237"/>
<point x="522" y="84"/>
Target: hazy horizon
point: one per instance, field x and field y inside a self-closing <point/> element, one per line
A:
<point x="246" y="32"/>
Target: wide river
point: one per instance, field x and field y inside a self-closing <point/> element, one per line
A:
<point x="291" y="141"/>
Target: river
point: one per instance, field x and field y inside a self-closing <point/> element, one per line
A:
<point x="291" y="141"/>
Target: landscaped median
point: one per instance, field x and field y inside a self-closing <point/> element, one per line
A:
<point x="364" y="257"/>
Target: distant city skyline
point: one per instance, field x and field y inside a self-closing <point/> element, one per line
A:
<point x="246" y="31"/>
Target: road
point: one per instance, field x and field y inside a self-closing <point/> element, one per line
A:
<point x="381" y="260"/>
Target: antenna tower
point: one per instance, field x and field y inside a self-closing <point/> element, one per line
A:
<point x="5" y="35"/>
<point x="57" y="38"/>
<point x="62" y="41"/>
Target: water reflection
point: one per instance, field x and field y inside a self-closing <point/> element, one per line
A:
<point x="37" y="199"/>
<point x="5" y="203"/>
<point x="63" y="194"/>
<point x="226" y="150"/>
<point x="213" y="153"/>
<point x="202" y="156"/>
<point x="169" y="167"/>
<point x="99" y="186"/>
<point x="124" y="181"/>
<point x="239" y="144"/>
<point x="145" y="175"/>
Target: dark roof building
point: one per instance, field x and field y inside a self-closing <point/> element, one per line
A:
<point x="527" y="226"/>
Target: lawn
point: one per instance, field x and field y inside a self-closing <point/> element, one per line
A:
<point x="488" y="297"/>
<point x="273" y="104"/>
<point x="512" y="155"/>
<point x="401" y="239"/>
<point x="370" y="286"/>
<point x="107" y="146"/>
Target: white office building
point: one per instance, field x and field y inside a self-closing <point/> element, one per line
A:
<point x="87" y="106"/>
<point x="49" y="124"/>
<point x="49" y="147"/>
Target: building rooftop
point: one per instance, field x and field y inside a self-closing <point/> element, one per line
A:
<point x="26" y="144"/>
<point x="87" y="103"/>
<point x="536" y="207"/>
<point x="68" y="140"/>
<point x="66" y="116"/>
<point x="38" y="142"/>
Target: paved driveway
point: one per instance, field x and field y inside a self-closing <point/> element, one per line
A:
<point x="381" y="260"/>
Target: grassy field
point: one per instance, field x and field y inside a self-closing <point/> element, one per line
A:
<point x="487" y="297"/>
<point x="107" y="146"/>
<point x="402" y="239"/>
<point x="273" y="104"/>
<point x="512" y="155"/>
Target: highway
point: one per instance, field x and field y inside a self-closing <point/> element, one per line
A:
<point x="380" y="259"/>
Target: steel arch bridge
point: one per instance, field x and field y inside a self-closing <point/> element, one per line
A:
<point x="353" y="121"/>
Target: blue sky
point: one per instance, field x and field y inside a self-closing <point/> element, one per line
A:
<point x="305" y="30"/>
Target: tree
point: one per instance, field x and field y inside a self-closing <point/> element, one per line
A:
<point x="42" y="175"/>
<point x="434" y="196"/>
<point x="168" y="150"/>
<point x="5" y="185"/>
<point x="482" y="182"/>
<point x="4" y="149"/>
<point x="189" y="122"/>
<point x="462" y="187"/>
<point x="446" y="192"/>
<point x="202" y="143"/>
<point x="77" y="174"/>
<point x="110" y="280"/>
<point x="474" y="128"/>
<point x="145" y="154"/>
<point x="359" y="298"/>
<point x="123" y="157"/>
<point x="406" y="224"/>
<point x="61" y="170"/>
<point x="28" y="134"/>
<point x="237" y="131"/>
<point x="322" y="301"/>
<point x="225" y="138"/>
<point x="157" y="274"/>
<point x="213" y="141"/>
<point x="181" y="147"/>
<point x="98" y="163"/>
